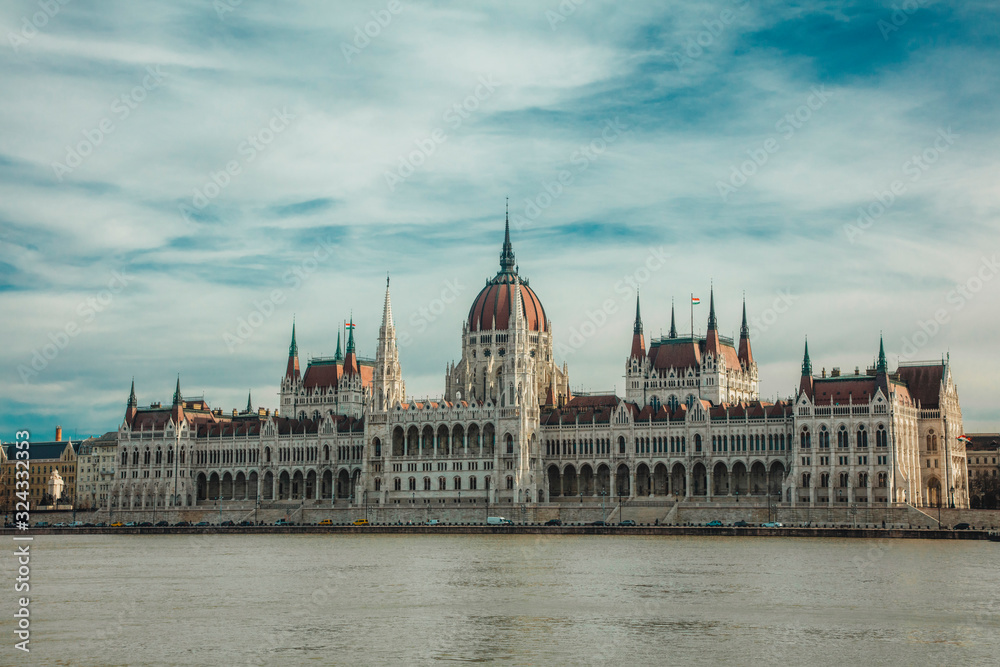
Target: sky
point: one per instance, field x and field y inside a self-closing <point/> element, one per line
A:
<point x="180" y="181"/>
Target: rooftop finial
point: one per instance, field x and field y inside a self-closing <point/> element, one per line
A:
<point x="673" y="321"/>
<point x="638" y="318"/>
<point x="507" y="254"/>
<point x="178" y="399"/>
<point x="882" y="367"/>
<point x="807" y="367"/>
<point x="132" y="402"/>
<point x="713" y="325"/>
<point x="744" y="330"/>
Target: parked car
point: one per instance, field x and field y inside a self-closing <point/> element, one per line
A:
<point x="182" y="524"/>
<point x="41" y="524"/>
<point x="89" y="525"/>
<point x="203" y="523"/>
<point x="741" y="524"/>
<point x="282" y="522"/>
<point x="430" y="522"/>
<point x="363" y="522"/>
<point x="714" y="524"/>
<point x="99" y="524"/>
<point x="76" y="524"/>
<point x="117" y="524"/>
<point x="772" y="524"/>
<point x="325" y="522"/>
<point x="626" y="522"/>
<point x="162" y="524"/>
<point x="227" y="523"/>
<point x="130" y="524"/>
<point x="597" y="523"/>
<point x="961" y="526"/>
<point x="145" y="524"/>
<point x="245" y="523"/>
<point x="553" y="522"/>
<point x="59" y="525"/>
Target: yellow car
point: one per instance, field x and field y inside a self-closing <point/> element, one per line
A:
<point x="361" y="522"/>
<point x="117" y="524"/>
<point x="325" y="522"/>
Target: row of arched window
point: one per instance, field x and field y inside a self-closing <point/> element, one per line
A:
<point x="881" y="480"/>
<point x="442" y="484"/>
<point x="843" y="437"/>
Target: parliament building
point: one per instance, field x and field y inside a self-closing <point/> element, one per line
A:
<point x="508" y="429"/>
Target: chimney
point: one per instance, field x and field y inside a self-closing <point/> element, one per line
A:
<point x="58" y="433"/>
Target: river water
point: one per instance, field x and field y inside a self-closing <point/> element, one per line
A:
<point x="387" y="599"/>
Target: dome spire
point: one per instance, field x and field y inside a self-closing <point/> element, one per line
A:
<point x="673" y="321"/>
<point x="637" y="329"/>
<point x="507" y="254"/>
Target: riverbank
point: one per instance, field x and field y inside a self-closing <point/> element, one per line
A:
<point x="701" y="531"/>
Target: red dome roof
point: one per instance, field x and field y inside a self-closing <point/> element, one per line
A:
<point x="494" y="307"/>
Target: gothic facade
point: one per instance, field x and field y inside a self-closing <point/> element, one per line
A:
<point x="508" y="428"/>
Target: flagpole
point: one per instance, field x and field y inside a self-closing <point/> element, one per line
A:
<point x="692" y="316"/>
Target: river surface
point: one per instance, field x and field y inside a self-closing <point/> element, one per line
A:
<point x="508" y="599"/>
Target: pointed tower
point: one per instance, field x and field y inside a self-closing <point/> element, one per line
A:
<point x="745" y="353"/>
<point x="177" y="408"/>
<point x="292" y="373"/>
<point x="350" y="359"/>
<point x="712" y="344"/>
<point x="388" y="377"/>
<point x="249" y="403"/>
<point x="507" y="261"/>
<point x="882" y="366"/>
<point x="673" y="321"/>
<point x="638" y="342"/>
<point x="806" y="384"/>
<point x="339" y="356"/>
<point x="133" y="405"/>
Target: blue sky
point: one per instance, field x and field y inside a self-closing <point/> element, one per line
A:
<point x="169" y="170"/>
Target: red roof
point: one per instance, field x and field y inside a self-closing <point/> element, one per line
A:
<point x="685" y="353"/>
<point x="493" y="307"/>
<point x="924" y="383"/>
<point x="843" y="390"/>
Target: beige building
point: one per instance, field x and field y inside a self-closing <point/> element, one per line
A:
<point x="95" y="470"/>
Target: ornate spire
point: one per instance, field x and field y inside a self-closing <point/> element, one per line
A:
<point x="350" y="336"/>
<point x="882" y="368"/>
<point x="744" y="329"/>
<point x="713" y="325"/>
<point x="387" y="307"/>
<point x="293" y="348"/>
<point x="339" y="356"/>
<point x="292" y="369"/>
<point x="178" y="399"/>
<point x="637" y="329"/>
<point x="807" y="367"/>
<point x="249" y="403"/>
<point x="132" y="402"/>
<point x="507" y="254"/>
<point x="673" y="321"/>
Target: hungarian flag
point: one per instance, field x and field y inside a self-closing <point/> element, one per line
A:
<point x="695" y="301"/>
<point x="349" y="325"/>
<point x="964" y="438"/>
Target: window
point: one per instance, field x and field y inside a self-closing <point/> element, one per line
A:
<point x="824" y="438"/>
<point x="427" y="483"/>
<point x="806" y="478"/>
<point x="413" y="484"/>
<point x="397" y="484"/>
<point x="881" y="436"/>
<point x="805" y="439"/>
<point x="697" y="442"/>
<point x="621" y="444"/>
<point x="862" y="438"/>
<point x="472" y="483"/>
<point x="842" y="437"/>
<point x="458" y="483"/>
<point x="442" y="484"/>
<point x="510" y="483"/>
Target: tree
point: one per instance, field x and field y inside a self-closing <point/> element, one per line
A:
<point x="985" y="490"/>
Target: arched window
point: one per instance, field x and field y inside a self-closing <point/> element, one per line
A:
<point x="862" y="436"/>
<point x="863" y="479"/>
<point x="397" y="484"/>
<point x="378" y="484"/>
<point x="842" y="437"/>
<point x="510" y="444"/>
<point x="145" y="457"/>
<point x="824" y="438"/>
<point x="413" y="484"/>
<point x="442" y="484"/>
<point x="697" y="442"/>
<point x="806" y="478"/>
<point x="824" y="480"/>
<point x="883" y="480"/>
<point x="510" y="483"/>
<point x="621" y="444"/>
<point x="458" y="483"/>
<point x="124" y="457"/>
<point x="472" y="483"/>
<point x="427" y="483"/>
<point x="881" y="436"/>
<point x="159" y="456"/>
<point x="805" y="439"/>
<point x="845" y="479"/>
<point x="267" y="454"/>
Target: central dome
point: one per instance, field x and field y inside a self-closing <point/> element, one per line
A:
<point x="493" y="309"/>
